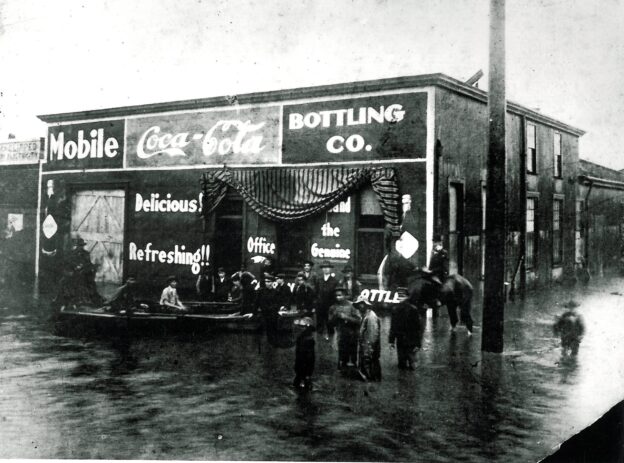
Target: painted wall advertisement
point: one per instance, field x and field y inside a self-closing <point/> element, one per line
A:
<point x="20" y="152"/>
<point x="243" y="136"/>
<point x="356" y="129"/>
<point x="93" y="145"/>
<point x="165" y="233"/>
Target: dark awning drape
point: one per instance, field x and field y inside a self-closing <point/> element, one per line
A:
<point x="286" y="194"/>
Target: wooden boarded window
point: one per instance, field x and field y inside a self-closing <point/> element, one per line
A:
<point x="97" y="216"/>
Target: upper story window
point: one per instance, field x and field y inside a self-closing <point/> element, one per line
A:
<point x="557" y="158"/>
<point x="531" y="152"/>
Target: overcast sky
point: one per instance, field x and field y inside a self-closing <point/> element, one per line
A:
<point x="565" y="57"/>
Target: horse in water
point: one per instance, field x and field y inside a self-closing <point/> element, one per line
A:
<point x="454" y="292"/>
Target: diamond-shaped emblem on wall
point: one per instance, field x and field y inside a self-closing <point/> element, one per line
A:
<point x="49" y="227"/>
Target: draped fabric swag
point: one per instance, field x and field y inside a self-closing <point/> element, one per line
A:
<point x="286" y="194"/>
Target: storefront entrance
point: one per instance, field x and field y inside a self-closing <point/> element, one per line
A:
<point x="97" y="216"/>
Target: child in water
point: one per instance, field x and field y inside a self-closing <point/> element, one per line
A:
<point x="570" y="327"/>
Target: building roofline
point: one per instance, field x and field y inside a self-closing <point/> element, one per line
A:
<point x="394" y="83"/>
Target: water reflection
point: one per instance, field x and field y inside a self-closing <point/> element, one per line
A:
<point x="228" y="395"/>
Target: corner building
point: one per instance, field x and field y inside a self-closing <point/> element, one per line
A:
<point x="312" y="173"/>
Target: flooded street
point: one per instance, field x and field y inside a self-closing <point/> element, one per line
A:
<point x="227" y="396"/>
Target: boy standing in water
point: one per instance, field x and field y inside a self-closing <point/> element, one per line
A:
<point x="304" y="354"/>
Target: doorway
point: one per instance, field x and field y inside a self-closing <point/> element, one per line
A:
<point x="98" y="217"/>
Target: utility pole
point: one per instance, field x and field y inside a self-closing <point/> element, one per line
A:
<point x="495" y="226"/>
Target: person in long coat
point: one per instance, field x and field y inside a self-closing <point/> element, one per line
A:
<point x="266" y="302"/>
<point x="369" y="341"/>
<point x="406" y="331"/>
<point x="326" y="297"/>
<point x="346" y="319"/>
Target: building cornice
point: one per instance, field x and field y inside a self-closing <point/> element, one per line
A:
<point x="277" y="96"/>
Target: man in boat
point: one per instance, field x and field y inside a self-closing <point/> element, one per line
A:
<point x="283" y="292"/>
<point x="169" y="297"/>
<point x="303" y="295"/>
<point x="236" y="293"/>
<point x="203" y="285"/>
<point x="222" y="286"/>
<point x="346" y="319"/>
<point x="125" y="298"/>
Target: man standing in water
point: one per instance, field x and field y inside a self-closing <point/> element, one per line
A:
<point x="406" y="330"/>
<point x="326" y="297"/>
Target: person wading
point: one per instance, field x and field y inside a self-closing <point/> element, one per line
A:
<point x="369" y="341"/>
<point x="406" y="330"/>
<point x="326" y="297"/>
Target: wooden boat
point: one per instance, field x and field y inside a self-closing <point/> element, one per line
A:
<point x="151" y="319"/>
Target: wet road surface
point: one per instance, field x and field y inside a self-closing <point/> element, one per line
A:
<point x="227" y="396"/>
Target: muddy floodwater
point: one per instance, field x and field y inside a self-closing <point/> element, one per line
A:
<point x="228" y="396"/>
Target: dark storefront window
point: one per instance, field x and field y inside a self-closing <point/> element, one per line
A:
<point x="531" y="151"/>
<point x="557" y="232"/>
<point x="370" y="234"/>
<point x="557" y="151"/>
<point x="531" y="233"/>
<point x="228" y="233"/>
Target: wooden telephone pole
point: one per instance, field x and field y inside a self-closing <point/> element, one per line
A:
<point x="495" y="226"/>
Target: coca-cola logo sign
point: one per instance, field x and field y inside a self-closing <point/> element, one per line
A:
<point x="243" y="136"/>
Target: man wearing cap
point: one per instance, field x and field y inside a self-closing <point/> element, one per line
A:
<point x="369" y="340"/>
<point x="222" y="286"/>
<point x="346" y="320"/>
<point x="406" y="330"/>
<point x="303" y="295"/>
<point x="283" y="294"/>
<point x="169" y="297"/>
<point x="310" y="276"/>
<point x="352" y="286"/>
<point x="326" y="297"/>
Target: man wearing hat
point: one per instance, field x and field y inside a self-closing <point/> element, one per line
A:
<point x="83" y="274"/>
<point x="346" y="320"/>
<point x="326" y="297"/>
<point x="352" y="287"/>
<point x="169" y="297"/>
<point x="267" y="303"/>
<point x="406" y="330"/>
<point x="222" y="286"/>
<point x="369" y="340"/>
<point x="439" y="261"/>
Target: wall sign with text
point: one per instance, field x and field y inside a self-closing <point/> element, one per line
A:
<point x="356" y="129"/>
<point x="229" y="136"/>
<point x="93" y="145"/>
